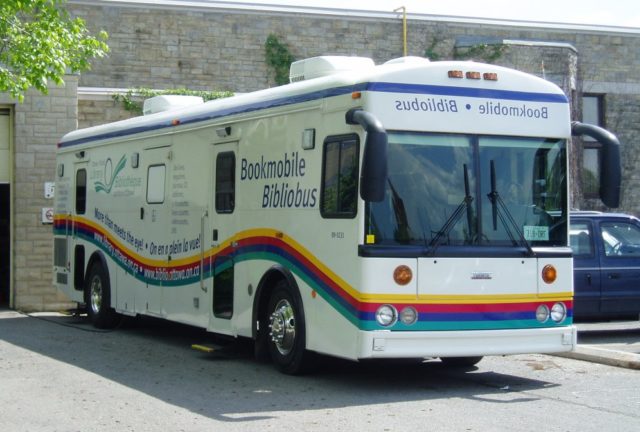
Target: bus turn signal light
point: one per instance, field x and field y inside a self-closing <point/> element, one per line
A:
<point x="402" y="275"/>
<point x="549" y="274"/>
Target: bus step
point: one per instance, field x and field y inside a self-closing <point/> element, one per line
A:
<point x="207" y="348"/>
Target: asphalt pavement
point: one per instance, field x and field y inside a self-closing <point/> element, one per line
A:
<point x="613" y="343"/>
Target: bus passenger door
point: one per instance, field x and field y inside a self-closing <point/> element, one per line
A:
<point x="220" y="237"/>
<point x="154" y="219"/>
<point x="74" y="247"/>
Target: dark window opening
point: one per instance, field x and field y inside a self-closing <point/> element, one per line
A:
<point x="223" y="288"/>
<point x="340" y="177"/>
<point x="225" y="182"/>
<point x="81" y="191"/>
<point x="78" y="268"/>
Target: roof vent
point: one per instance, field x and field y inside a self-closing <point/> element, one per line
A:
<point x="162" y="103"/>
<point x="317" y="67"/>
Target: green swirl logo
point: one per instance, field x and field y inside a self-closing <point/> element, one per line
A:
<point x="110" y="174"/>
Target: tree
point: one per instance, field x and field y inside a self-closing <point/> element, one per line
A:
<point x="40" y="42"/>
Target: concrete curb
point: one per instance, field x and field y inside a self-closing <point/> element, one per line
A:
<point x="604" y="356"/>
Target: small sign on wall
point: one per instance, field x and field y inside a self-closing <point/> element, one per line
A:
<point x="47" y="215"/>
<point x="49" y="189"/>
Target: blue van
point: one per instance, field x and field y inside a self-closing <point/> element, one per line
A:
<point x="606" y="266"/>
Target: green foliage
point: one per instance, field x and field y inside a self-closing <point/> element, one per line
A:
<point x="40" y="42"/>
<point x="131" y="100"/>
<point x="430" y="51"/>
<point x="487" y="53"/>
<point x="278" y="58"/>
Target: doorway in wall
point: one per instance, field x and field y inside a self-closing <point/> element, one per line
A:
<point x="5" y="206"/>
<point x="5" y="249"/>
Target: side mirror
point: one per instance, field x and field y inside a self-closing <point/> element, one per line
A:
<point x="373" y="174"/>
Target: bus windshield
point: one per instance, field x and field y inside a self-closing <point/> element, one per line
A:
<point x="466" y="190"/>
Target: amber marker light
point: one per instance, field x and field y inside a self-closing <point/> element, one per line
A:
<point x="175" y="122"/>
<point x="402" y="275"/>
<point x="490" y="76"/>
<point x="356" y="95"/>
<point x="455" y="74"/>
<point x="473" y="75"/>
<point x="549" y="274"/>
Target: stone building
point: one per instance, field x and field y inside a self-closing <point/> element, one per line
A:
<point x="215" y="45"/>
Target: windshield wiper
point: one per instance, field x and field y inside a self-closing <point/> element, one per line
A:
<point x="500" y="211"/>
<point x="455" y="216"/>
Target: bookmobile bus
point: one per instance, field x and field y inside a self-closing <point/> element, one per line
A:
<point x="412" y="209"/>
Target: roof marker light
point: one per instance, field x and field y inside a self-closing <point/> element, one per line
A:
<point x="490" y="76"/>
<point x="455" y="74"/>
<point x="473" y="75"/>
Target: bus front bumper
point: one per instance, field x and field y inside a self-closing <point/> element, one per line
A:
<point x="387" y="344"/>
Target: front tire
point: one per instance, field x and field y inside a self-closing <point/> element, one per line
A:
<point x="97" y="293"/>
<point x="286" y="338"/>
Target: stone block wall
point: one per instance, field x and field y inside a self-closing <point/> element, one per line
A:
<point x="39" y="122"/>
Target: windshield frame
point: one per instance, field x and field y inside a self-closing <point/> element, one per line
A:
<point x="472" y="199"/>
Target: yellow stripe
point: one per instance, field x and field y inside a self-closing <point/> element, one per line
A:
<point x="464" y="298"/>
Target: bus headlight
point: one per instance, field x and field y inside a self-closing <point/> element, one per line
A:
<point x="558" y="312"/>
<point x="542" y="313"/>
<point x="386" y="315"/>
<point x="408" y="315"/>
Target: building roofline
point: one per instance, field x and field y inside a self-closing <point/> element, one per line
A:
<point x="248" y="7"/>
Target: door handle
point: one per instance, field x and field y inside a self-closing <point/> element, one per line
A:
<point x="589" y="278"/>
<point x="614" y="275"/>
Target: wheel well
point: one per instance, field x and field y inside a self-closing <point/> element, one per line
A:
<point x="263" y="294"/>
<point x="97" y="257"/>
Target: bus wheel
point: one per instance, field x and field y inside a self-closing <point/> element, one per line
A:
<point x="461" y="362"/>
<point x="98" y="298"/>
<point x="286" y="331"/>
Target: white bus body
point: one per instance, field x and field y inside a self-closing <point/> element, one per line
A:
<point x="245" y="216"/>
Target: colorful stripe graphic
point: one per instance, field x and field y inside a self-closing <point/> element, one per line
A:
<point x="434" y="312"/>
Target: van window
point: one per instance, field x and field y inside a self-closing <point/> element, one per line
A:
<point x="581" y="239"/>
<point x="621" y="239"/>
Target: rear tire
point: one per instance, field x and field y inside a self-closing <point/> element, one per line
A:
<point x="461" y="362"/>
<point x="286" y="338"/>
<point x="97" y="295"/>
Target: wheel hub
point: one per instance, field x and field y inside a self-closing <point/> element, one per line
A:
<point x="282" y="325"/>
<point x="95" y="294"/>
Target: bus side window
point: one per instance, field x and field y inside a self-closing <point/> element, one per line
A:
<point x="155" y="184"/>
<point x="81" y="191"/>
<point x="225" y="182"/>
<point x="340" y="177"/>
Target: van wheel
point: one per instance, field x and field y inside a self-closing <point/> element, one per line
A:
<point x="286" y="337"/>
<point x="461" y="362"/>
<point x="97" y="294"/>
